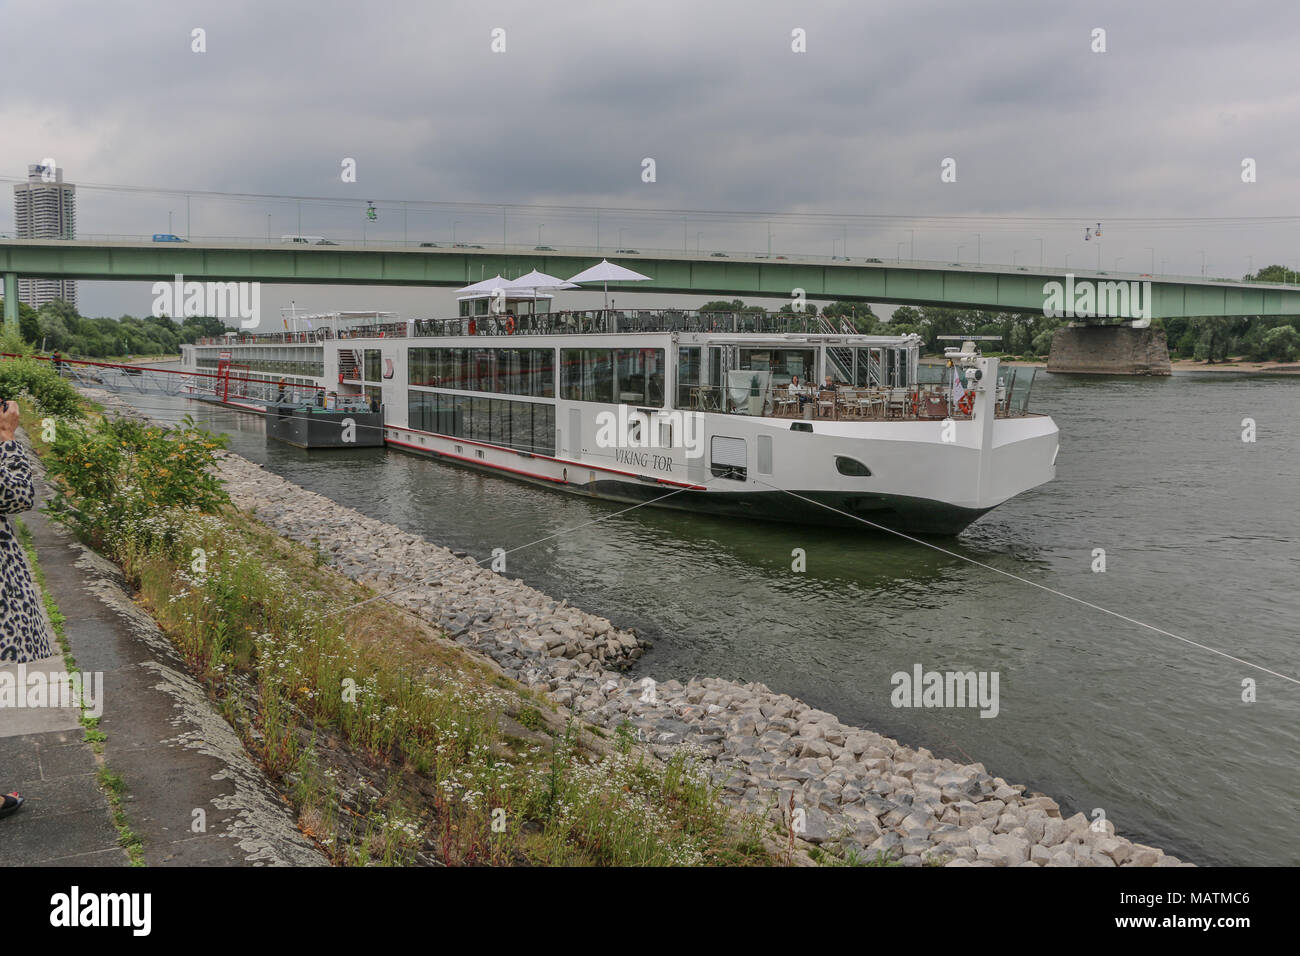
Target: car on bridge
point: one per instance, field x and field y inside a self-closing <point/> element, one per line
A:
<point x="626" y="252"/>
<point x="719" y="255"/>
<point x="167" y="237"/>
<point x="429" y="245"/>
<point x="542" y="249"/>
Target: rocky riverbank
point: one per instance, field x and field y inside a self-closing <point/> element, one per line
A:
<point x="847" y="790"/>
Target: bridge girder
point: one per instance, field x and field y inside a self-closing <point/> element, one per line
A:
<point x="991" y="288"/>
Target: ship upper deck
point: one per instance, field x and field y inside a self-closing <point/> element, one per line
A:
<point x="578" y="322"/>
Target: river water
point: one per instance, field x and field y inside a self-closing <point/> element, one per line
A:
<point x="1199" y="530"/>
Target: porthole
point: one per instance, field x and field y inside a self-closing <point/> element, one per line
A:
<point x="851" y="467"/>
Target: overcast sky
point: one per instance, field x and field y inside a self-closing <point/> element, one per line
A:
<point x="1039" y="125"/>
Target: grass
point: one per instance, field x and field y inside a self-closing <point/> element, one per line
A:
<point x="394" y="744"/>
<point x="477" y="769"/>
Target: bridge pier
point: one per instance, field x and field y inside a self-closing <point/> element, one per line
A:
<point x="1109" y="350"/>
<point x="11" y="300"/>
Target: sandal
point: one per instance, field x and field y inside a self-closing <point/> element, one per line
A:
<point x="11" y="803"/>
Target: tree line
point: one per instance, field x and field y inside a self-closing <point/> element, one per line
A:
<point x="59" y="327"/>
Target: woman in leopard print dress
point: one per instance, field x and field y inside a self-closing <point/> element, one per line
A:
<point x="24" y="635"/>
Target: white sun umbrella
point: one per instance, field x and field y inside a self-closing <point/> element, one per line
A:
<point x="487" y="285"/>
<point x="537" y="281"/>
<point x="606" y="272"/>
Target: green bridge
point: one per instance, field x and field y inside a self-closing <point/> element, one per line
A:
<point x="998" y="288"/>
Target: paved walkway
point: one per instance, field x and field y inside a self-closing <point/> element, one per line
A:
<point x="174" y="752"/>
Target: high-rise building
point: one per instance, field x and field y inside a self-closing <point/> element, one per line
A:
<point x="45" y="207"/>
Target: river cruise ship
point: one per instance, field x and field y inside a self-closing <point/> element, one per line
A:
<point x="777" y="416"/>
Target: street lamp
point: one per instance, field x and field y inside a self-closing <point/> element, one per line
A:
<point x="453" y="230"/>
<point x="1014" y="254"/>
<point x="959" y="249"/>
<point x="540" y="227"/>
<point x="697" y="242"/>
<point x="1152" y="250"/>
<point x="769" y="238"/>
<point x="268" y="227"/>
<point x="1040" y="251"/>
<point x="899" y="256"/>
<point x="1202" y="251"/>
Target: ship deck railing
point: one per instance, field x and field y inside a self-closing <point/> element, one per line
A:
<point x="568" y="322"/>
<point x="846" y="403"/>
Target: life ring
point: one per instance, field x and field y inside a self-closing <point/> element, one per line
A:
<point x="967" y="403"/>
<point x="510" y="325"/>
<point x="472" y="327"/>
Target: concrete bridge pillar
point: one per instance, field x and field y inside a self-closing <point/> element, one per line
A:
<point x="11" y="299"/>
<point x="1109" y="350"/>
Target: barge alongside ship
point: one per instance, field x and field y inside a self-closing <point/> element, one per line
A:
<point x="693" y="411"/>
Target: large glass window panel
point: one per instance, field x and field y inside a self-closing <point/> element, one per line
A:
<point x="688" y="375"/>
<point x="571" y="374"/>
<point x="544" y="369"/>
<point x="598" y="375"/>
<point x="414" y="409"/>
<point x="544" y="429"/>
<point x="500" y="422"/>
<point x="521" y="424"/>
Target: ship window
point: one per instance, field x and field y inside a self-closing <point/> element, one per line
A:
<point x="640" y="376"/>
<point x="801" y="427"/>
<point x="588" y="375"/>
<point x="728" y="458"/>
<point x="688" y="375"/>
<point x="764" y="454"/>
<point x="851" y="467"/>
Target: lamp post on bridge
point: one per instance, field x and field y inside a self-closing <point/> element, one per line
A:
<point x="1152" y="250"/>
<point x="1040" y="251"/>
<point x="899" y="256"/>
